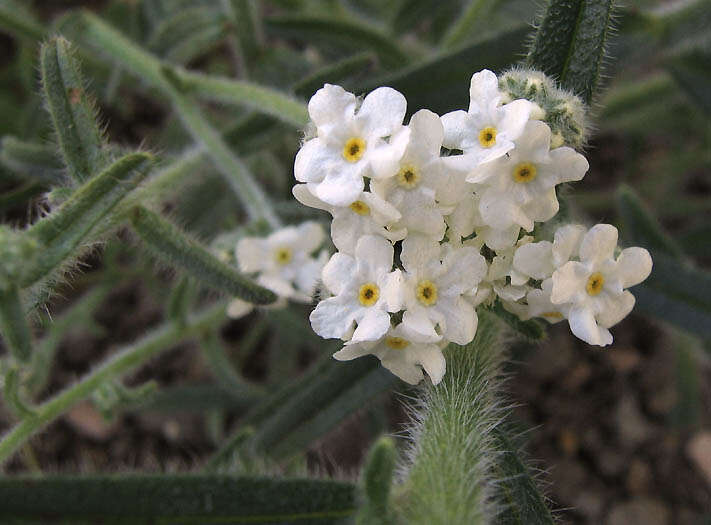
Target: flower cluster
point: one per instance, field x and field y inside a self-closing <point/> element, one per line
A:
<point x="430" y="221"/>
<point x="283" y="263"/>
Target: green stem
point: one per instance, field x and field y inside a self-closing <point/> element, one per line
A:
<point x="13" y="324"/>
<point x="120" y="363"/>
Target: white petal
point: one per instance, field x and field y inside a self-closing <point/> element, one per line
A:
<point x="354" y="351"/>
<point x="313" y="161"/>
<point x="331" y="105"/>
<point x="408" y="372"/>
<point x="427" y="132"/>
<point x="417" y="324"/>
<point x="238" y="308"/>
<point x="382" y="211"/>
<point x="461" y="320"/>
<point x="276" y="284"/>
<point x="617" y="309"/>
<point x="483" y="89"/>
<point x="569" y="164"/>
<point x="251" y="254"/>
<point x="568" y="280"/>
<point x="382" y="112"/>
<point x="515" y="117"/>
<point x="463" y="270"/>
<point x="500" y="239"/>
<point x="311" y="236"/>
<point x="309" y="273"/>
<point x="534" y="144"/>
<point x="384" y="158"/>
<point x="374" y="324"/>
<point x="463" y="219"/>
<point x="566" y="243"/>
<point x="633" y="266"/>
<point x="599" y="243"/>
<point x="376" y="252"/>
<point x="543" y="207"/>
<point x="499" y="211"/>
<point x="302" y="194"/>
<point x="337" y="272"/>
<point x="535" y="259"/>
<point x="340" y="187"/>
<point x="457" y="133"/>
<point x="418" y="251"/>
<point x="431" y="359"/>
<point x="582" y="324"/>
<point x="334" y="317"/>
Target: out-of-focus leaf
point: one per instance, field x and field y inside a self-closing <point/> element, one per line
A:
<point x="175" y="498"/>
<point x="17" y="20"/>
<point x="13" y="324"/>
<point x="441" y="83"/>
<point x="38" y="162"/>
<point x="692" y="71"/>
<point x="354" y="35"/>
<point x="570" y="43"/>
<point x="188" y="33"/>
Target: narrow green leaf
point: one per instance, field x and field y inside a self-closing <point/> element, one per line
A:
<point x="224" y="370"/>
<point x="377" y="480"/>
<point x="28" y="159"/>
<point x="692" y="71"/>
<point x="521" y="500"/>
<point x="18" y="21"/>
<point x="108" y="41"/>
<point x="641" y="227"/>
<point x="472" y="17"/>
<point x="345" y="31"/>
<point x="175" y="498"/>
<point x="570" y="43"/>
<point x="62" y="231"/>
<point x="11" y="391"/>
<point x="244" y="16"/>
<point x="349" y="67"/>
<point x="331" y="412"/>
<point x="195" y="398"/>
<point x="230" y="166"/>
<point x="114" y="366"/>
<point x="13" y="324"/>
<point x="180" y="26"/>
<point x="173" y="247"/>
<point x="440" y="83"/>
<point x="73" y="114"/>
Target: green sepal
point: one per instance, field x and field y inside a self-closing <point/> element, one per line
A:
<point x="13" y="324"/>
<point x="570" y="43"/>
<point x="174" y="247"/>
<point x="377" y="479"/>
<point x="184" y="498"/>
<point x="73" y="115"/>
<point x="62" y="231"/>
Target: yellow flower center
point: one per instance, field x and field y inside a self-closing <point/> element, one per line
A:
<point x="487" y="137"/>
<point x="354" y="149"/>
<point x="397" y="343"/>
<point x="368" y="294"/>
<point x="408" y="177"/>
<point x="282" y="255"/>
<point x="595" y="284"/>
<point x="552" y="315"/>
<point x="524" y="172"/>
<point x="360" y="207"/>
<point x="427" y="292"/>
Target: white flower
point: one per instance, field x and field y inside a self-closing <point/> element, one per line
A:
<point x="519" y="188"/>
<point x="434" y="283"/>
<point x="414" y="189"/>
<point x="594" y="288"/>
<point x="367" y="215"/>
<point x="540" y="259"/>
<point x="365" y="290"/>
<point x="488" y="129"/>
<point x="283" y="260"/>
<point x="465" y="219"/>
<point x="351" y="144"/>
<point x="404" y="353"/>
